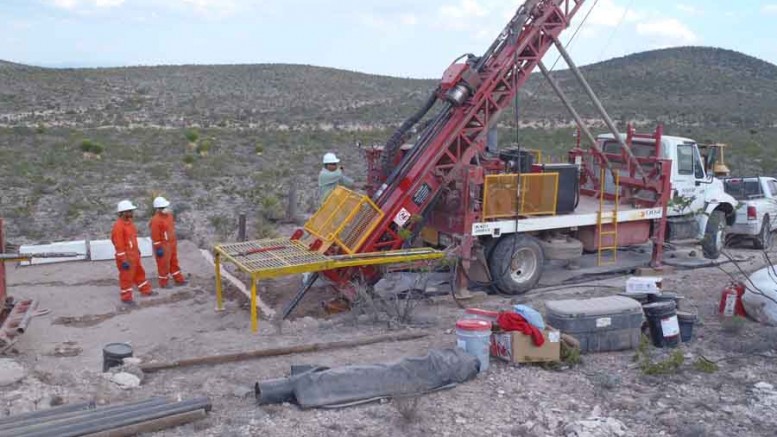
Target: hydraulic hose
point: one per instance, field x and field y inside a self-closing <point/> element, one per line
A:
<point x="395" y="141"/>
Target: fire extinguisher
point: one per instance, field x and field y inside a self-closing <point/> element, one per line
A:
<point x="731" y="301"/>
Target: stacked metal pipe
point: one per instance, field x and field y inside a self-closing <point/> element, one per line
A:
<point x="85" y="419"/>
<point x="19" y="314"/>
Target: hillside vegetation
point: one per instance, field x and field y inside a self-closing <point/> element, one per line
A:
<point x="221" y="140"/>
<point x="689" y="85"/>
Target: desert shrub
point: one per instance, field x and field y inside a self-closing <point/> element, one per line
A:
<point x="271" y="208"/>
<point x="191" y="135"/>
<point x="89" y="146"/>
<point x="204" y="146"/>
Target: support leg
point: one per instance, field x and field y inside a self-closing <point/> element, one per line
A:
<point x="219" y="296"/>
<point x="254" y="316"/>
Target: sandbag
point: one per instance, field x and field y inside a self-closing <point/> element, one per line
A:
<point x="760" y="298"/>
<point x="438" y="368"/>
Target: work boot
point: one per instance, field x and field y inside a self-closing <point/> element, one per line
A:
<point x="150" y="293"/>
<point x="127" y="305"/>
<point x="180" y="284"/>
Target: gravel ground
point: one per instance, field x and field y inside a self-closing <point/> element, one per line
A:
<point x="607" y="394"/>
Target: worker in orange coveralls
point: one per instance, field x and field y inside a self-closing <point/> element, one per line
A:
<point x="165" y="245"/>
<point x="125" y="241"/>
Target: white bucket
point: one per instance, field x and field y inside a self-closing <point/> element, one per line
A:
<point x="474" y="336"/>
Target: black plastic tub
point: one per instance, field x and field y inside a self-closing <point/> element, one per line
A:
<point x="663" y="324"/>
<point x="114" y="354"/>
<point x="686" y="321"/>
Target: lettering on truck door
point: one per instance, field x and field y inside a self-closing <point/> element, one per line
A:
<point x="688" y="180"/>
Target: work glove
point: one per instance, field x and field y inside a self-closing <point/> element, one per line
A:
<point x="125" y="265"/>
<point x="160" y="252"/>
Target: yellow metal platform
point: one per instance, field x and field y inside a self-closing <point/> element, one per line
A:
<point x="262" y="259"/>
<point x="345" y="219"/>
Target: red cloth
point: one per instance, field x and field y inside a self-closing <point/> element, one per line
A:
<point x="510" y="321"/>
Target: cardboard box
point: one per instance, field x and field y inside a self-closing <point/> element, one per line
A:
<point x="517" y="347"/>
<point x="644" y="284"/>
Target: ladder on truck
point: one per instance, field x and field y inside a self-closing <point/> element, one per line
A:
<point x="607" y="238"/>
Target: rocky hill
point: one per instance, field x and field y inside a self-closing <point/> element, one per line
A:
<point x="688" y="85"/>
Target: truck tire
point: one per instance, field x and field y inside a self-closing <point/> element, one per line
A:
<point x="714" y="235"/>
<point x="516" y="263"/>
<point x="763" y="241"/>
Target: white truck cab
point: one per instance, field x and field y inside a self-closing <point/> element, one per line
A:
<point x="700" y="208"/>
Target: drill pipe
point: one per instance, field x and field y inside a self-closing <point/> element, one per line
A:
<point x="33" y="424"/>
<point x="94" y="425"/>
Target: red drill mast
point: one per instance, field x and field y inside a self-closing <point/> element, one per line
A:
<point x="474" y="94"/>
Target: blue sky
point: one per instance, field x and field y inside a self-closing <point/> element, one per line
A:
<point x="407" y="38"/>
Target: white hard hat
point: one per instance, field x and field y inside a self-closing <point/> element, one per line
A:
<point x="125" y="205"/>
<point x="161" y="202"/>
<point x="330" y="158"/>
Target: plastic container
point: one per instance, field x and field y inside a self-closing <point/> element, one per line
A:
<point x="686" y="321"/>
<point x="478" y="314"/>
<point x="663" y="324"/>
<point x="600" y="324"/>
<point x="474" y="336"/>
<point x="114" y="354"/>
<point x="666" y="296"/>
<point x="644" y="284"/>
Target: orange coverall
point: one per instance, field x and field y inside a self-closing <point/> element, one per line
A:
<point x="163" y="237"/>
<point x="125" y="241"/>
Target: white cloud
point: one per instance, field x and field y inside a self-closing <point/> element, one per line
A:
<point x="667" y="32"/>
<point x="464" y="9"/>
<point x="689" y="9"/>
<point x="77" y="4"/>
<point x="408" y="19"/>
<point x="212" y="8"/>
<point x="770" y="8"/>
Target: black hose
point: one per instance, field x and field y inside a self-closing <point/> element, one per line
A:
<point x="394" y="142"/>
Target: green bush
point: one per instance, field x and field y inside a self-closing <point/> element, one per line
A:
<point x="189" y="159"/>
<point x="89" y="146"/>
<point x="271" y="208"/>
<point x="191" y="135"/>
<point x="204" y="147"/>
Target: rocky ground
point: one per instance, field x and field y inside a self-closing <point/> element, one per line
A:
<point x="609" y="394"/>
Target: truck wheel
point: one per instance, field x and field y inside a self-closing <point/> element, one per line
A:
<point x="516" y="263"/>
<point x="764" y="239"/>
<point x="714" y="235"/>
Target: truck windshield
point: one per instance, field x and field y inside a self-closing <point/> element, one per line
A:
<point x="742" y="189"/>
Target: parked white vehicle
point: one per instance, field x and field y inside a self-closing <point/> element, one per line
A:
<point x="756" y="215"/>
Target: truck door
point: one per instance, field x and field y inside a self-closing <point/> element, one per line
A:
<point x="689" y="180"/>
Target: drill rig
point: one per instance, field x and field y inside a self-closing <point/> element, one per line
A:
<point x="450" y="183"/>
